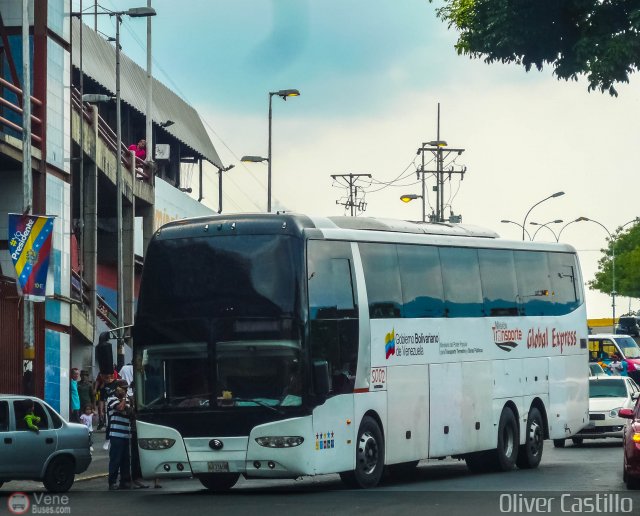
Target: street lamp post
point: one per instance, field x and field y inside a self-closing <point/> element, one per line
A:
<point x="524" y="222"/>
<point x="283" y="94"/>
<point x="136" y="12"/>
<point x="613" y="269"/>
<point x="545" y="225"/>
<point x="519" y="225"/>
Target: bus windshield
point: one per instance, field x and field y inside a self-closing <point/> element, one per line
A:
<point x="224" y="375"/>
<point x="218" y="323"/>
<point x="220" y="276"/>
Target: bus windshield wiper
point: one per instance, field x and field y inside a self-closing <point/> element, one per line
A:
<point x="257" y="402"/>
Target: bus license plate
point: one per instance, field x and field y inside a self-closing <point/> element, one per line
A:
<point x="218" y="467"/>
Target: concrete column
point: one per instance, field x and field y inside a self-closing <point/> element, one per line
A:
<point x="128" y="250"/>
<point x="148" y="226"/>
<point x="90" y="216"/>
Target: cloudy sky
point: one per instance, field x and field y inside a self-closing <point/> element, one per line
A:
<point x="371" y="74"/>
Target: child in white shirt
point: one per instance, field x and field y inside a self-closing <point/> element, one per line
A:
<point x="87" y="420"/>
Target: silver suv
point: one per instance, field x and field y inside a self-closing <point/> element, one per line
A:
<point x="54" y="454"/>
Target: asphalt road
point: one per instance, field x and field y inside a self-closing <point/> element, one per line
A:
<point x="585" y="479"/>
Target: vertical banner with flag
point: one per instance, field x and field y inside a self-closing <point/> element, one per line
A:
<point x="30" y="248"/>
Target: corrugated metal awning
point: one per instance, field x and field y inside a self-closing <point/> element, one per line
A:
<point x="99" y="63"/>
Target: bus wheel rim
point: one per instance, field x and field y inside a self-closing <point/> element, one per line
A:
<point x="367" y="453"/>
<point x="535" y="438"/>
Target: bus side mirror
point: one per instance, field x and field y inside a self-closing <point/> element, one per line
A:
<point x="104" y="353"/>
<point x="321" y="379"/>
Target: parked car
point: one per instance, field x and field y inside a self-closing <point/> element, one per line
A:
<point x="631" y="443"/>
<point x="607" y="395"/>
<point x="54" y="454"/>
<point x="628" y="325"/>
<point x="604" y="346"/>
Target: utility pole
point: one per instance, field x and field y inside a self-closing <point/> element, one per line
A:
<point x="28" y="335"/>
<point x="440" y="152"/>
<point x="350" y="181"/>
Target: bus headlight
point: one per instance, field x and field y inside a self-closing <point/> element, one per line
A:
<point x="156" y="444"/>
<point x="614" y="412"/>
<point x="280" y="441"/>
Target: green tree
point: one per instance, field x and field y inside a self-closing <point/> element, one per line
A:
<point x="596" y="38"/>
<point x="627" y="253"/>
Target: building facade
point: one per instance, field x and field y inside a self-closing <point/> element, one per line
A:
<point x="74" y="161"/>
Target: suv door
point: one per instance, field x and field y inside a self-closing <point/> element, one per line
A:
<point x="7" y="443"/>
<point x="33" y="449"/>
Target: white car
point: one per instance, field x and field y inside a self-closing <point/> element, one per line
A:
<point x="607" y="395"/>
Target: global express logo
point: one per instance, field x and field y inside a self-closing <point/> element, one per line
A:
<point x="390" y="343"/>
<point x="504" y="337"/>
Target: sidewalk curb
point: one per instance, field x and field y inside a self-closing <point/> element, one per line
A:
<point x="92" y="477"/>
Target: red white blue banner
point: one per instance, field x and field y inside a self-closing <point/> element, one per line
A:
<point x="30" y="249"/>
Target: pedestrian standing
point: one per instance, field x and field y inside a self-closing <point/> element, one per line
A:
<point x="85" y="391"/>
<point x="119" y="434"/>
<point x="74" y="396"/>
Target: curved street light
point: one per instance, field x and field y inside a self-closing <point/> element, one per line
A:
<point x="406" y="198"/>
<point x="524" y="222"/>
<point x="284" y="95"/>
<point x="519" y="225"/>
<point x="613" y="269"/>
<point x="579" y="219"/>
<point x="546" y="225"/>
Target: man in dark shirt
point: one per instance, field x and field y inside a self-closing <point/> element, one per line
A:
<point x="85" y="391"/>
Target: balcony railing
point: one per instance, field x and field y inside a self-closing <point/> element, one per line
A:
<point x="36" y="107"/>
<point x="142" y="169"/>
<point x="103" y="310"/>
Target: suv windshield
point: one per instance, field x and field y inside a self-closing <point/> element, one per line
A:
<point x="607" y="388"/>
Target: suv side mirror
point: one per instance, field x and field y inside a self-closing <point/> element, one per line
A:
<point x="321" y="379"/>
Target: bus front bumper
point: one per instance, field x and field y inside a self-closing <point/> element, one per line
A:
<point x="194" y="456"/>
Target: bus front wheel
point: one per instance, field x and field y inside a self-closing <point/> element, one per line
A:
<point x="219" y="481"/>
<point x="369" y="456"/>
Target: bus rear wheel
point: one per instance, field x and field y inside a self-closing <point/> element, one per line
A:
<point x="219" y="481"/>
<point x="504" y="457"/>
<point x="369" y="456"/>
<point x="530" y="452"/>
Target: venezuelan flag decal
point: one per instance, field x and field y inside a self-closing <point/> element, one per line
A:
<point x="30" y="248"/>
<point x="390" y="343"/>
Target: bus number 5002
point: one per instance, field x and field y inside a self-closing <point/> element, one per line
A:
<point x="379" y="375"/>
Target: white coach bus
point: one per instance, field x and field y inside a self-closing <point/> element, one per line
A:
<point x="281" y="345"/>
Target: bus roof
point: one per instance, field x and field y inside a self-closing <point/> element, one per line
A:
<point x="296" y="224"/>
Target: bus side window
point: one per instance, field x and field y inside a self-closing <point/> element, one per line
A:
<point x="534" y="285"/>
<point x="499" y="286"/>
<point x="333" y="311"/>
<point x="421" y="279"/>
<point x="564" y="283"/>
<point x="382" y="276"/>
<point x="461" y="279"/>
